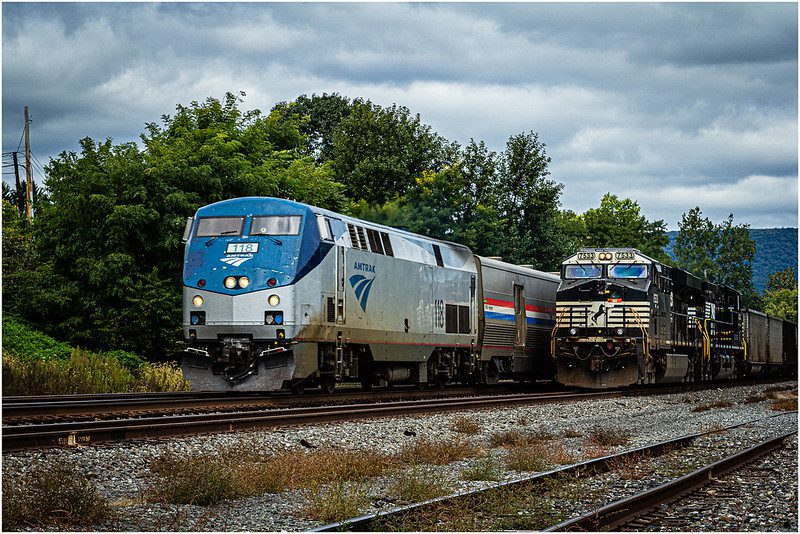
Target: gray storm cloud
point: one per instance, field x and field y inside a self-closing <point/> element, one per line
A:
<point x="670" y="104"/>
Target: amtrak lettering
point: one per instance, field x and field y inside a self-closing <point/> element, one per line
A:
<point x="366" y="267"/>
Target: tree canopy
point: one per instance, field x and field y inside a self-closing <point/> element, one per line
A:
<point x="780" y="296"/>
<point x="620" y="223"/>
<point x="722" y="253"/>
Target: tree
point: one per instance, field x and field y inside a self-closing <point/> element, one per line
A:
<point x="529" y="203"/>
<point x="780" y="296"/>
<point x="379" y="153"/>
<point x="721" y="253"/>
<point x="620" y="223"/>
<point x="319" y="118"/>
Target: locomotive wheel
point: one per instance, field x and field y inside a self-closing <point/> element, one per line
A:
<point x="327" y="383"/>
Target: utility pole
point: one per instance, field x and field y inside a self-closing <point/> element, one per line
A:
<point x="29" y="192"/>
<point x="19" y="185"/>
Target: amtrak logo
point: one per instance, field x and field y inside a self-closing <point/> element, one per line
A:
<point x="361" y="285"/>
<point x="235" y="261"/>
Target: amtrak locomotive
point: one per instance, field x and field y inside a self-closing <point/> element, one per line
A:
<point x="624" y="318"/>
<point x="279" y="294"/>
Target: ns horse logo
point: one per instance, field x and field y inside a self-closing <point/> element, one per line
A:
<point x="361" y="285"/>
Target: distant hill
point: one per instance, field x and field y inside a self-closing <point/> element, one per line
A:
<point x="776" y="249"/>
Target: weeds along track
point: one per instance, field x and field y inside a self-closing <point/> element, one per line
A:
<point x="69" y="433"/>
<point x="531" y="494"/>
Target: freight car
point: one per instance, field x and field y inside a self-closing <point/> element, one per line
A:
<point x="279" y="294"/>
<point x="623" y="318"/>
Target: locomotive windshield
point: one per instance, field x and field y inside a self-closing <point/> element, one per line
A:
<point x="217" y="226"/>
<point x="627" y="270"/>
<point x="276" y="225"/>
<point x="582" y="271"/>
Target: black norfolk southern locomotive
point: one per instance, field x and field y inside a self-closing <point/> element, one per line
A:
<point x="623" y="318"/>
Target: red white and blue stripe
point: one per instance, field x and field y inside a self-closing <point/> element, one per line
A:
<point x="503" y="310"/>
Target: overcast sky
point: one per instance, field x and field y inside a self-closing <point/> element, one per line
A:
<point x="672" y="105"/>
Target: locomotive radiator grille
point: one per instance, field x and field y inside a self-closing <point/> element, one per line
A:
<point x="611" y="315"/>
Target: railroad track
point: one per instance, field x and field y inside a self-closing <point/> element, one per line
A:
<point x="51" y="408"/>
<point x="34" y="409"/>
<point x="70" y="433"/>
<point x="89" y="419"/>
<point x="637" y="512"/>
<point x="611" y="516"/>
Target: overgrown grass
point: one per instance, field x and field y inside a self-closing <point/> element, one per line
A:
<point x="212" y="478"/>
<point x="86" y="372"/>
<point x="530" y="457"/>
<point x="632" y="467"/>
<point x="517" y="438"/>
<point x="519" y="507"/>
<point x="787" y="404"/>
<point x="419" y="484"/>
<point x="54" y="494"/>
<point x="336" y="501"/>
<point x="608" y="436"/>
<point x="426" y="451"/>
<point x="466" y="425"/>
<point x="484" y="468"/>
<point x="712" y="405"/>
<point x="36" y="364"/>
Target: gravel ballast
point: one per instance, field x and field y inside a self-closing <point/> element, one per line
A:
<point x="122" y="474"/>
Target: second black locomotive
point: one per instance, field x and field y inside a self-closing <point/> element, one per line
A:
<point x="624" y="318"/>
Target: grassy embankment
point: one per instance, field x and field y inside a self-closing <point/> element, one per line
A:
<point x="36" y="364"/>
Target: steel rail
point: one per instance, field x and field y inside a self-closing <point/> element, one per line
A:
<point x="29" y="436"/>
<point x="596" y="465"/>
<point x="107" y="404"/>
<point x="66" y="405"/>
<point x="625" y="510"/>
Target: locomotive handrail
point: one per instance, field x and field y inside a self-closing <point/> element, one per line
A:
<point x="553" y="333"/>
<point x="706" y="339"/>
<point x="645" y="341"/>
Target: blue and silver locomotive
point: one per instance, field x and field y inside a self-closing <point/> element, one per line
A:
<point x="279" y="294"/>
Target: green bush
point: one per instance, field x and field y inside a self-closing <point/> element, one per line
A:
<point x="22" y="341"/>
<point x="51" y="494"/>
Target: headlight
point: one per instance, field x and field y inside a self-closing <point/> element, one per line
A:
<point x="244" y="282"/>
<point x="197" y="301"/>
<point x="620" y="331"/>
<point x="573" y="331"/>
<point x="269" y="318"/>
<point x="274" y="300"/>
<point x="230" y="282"/>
